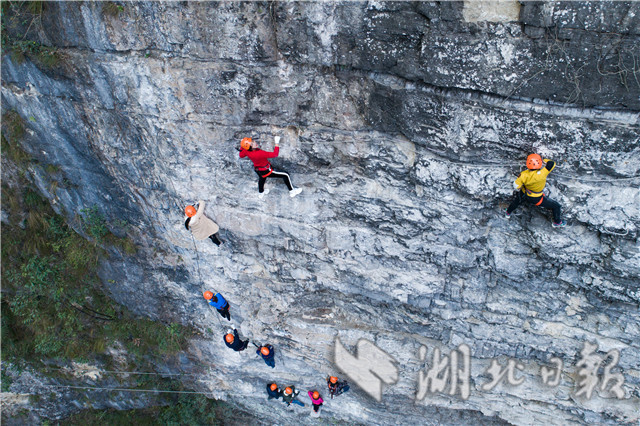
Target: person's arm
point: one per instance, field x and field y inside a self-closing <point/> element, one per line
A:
<point x="200" y="211"/>
<point x="276" y="150"/>
<point x="550" y="164"/>
<point x="243" y="153"/>
<point x="273" y="154"/>
<point x="518" y="183"/>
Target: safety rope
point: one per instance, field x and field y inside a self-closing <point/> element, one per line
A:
<point x="69" y="370"/>
<point x="195" y="247"/>
<point x="582" y="179"/>
<point x="125" y="389"/>
<point x="483" y="165"/>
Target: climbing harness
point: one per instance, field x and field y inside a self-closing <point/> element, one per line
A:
<point x="261" y="169"/>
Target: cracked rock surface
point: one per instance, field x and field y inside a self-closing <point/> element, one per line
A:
<point x="405" y="124"/>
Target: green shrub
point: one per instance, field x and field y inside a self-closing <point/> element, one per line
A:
<point x="21" y="22"/>
<point x="35" y="7"/>
<point x="6" y="382"/>
<point x="192" y="409"/>
<point x="13" y="126"/>
<point x="112" y="9"/>
<point x="95" y="223"/>
<point x="53" y="304"/>
<point x="14" y="123"/>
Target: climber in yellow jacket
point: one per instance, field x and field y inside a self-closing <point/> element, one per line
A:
<point x="530" y="184"/>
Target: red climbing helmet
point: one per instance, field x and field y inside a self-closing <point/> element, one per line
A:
<point x="245" y="143"/>
<point x="288" y="391"/>
<point x="333" y="379"/>
<point x="190" y="211"/>
<point x="273" y="386"/>
<point x="208" y="295"/>
<point x="534" y="162"/>
<point x="315" y="395"/>
<point x="229" y="338"/>
<point x="264" y="350"/>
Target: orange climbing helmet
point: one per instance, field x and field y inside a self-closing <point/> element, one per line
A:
<point x="315" y="395"/>
<point x="265" y="351"/>
<point x="245" y="143"/>
<point x="190" y="211"/>
<point x="273" y="386"/>
<point x="333" y="379"/>
<point x="288" y="391"/>
<point x="534" y="162"/>
<point x="229" y="338"/>
<point x="208" y="295"/>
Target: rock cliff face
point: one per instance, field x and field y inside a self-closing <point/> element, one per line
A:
<point x="405" y="125"/>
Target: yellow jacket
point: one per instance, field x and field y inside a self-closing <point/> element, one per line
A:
<point x="532" y="182"/>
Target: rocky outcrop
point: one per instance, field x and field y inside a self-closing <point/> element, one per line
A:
<point x="405" y="124"/>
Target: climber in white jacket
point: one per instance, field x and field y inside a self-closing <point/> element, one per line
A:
<point x="201" y="226"/>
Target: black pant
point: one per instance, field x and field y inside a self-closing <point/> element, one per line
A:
<point x="215" y="239"/>
<point x="547" y="203"/>
<point x="274" y="174"/>
<point x="225" y="312"/>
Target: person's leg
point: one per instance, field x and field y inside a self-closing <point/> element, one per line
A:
<point x="515" y="203"/>
<point x="225" y="313"/>
<point x="261" y="182"/>
<point x="215" y="239"/>
<point x="316" y="408"/>
<point x="554" y="206"/>
<point x="284" y="176"/>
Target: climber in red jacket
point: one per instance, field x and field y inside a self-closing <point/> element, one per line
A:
<point x="249" y="148"/>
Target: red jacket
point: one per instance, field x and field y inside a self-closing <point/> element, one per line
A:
<point x="259" y="157"/>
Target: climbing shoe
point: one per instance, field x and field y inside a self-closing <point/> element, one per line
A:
<point x="262" y="194"/>
<point x="507" y="215"/>
<point x="560" y="224"/>
<point x="295" y="192"/>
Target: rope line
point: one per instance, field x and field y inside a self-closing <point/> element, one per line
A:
<point x="583" y="179"/>
<point x="195" y="248"/>
<point x="501" y="165"/>
<point x="126" y="389"/>
<point x="127" y="372"/>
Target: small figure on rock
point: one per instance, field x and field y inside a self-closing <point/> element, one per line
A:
<point x="336" y="387"/>
<point x="219" y="303"/>
<point x="268" y="354"/>
<point x="273" y="391"/>
<point x="201" y="226"/>
<point x="289" y="395"/>
<point x="530" y="185"/>
<point x="249" y="148"/>
<point x="316" y="400"/>
<point x="234" y="342"/>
